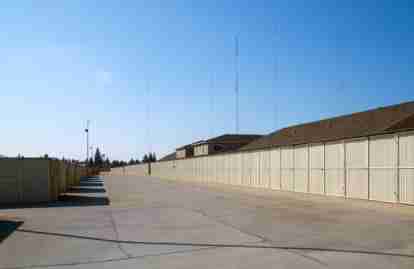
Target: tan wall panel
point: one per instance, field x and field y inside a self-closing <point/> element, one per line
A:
<point x="357" y="169"/>
<point x="275" y="169"/>
<point x="334" y="169"/>
<point x="287" y="174"/>
<point x="35" y="187"/>
<point x="301" y="169"/>
<point x="383" y="169"/>
<point x="407" y="186"/>
<point x="317" y="169"/>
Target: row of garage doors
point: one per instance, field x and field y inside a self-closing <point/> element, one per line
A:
<point x="376" y="168"/>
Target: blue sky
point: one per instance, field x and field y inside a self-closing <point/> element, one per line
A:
<point x="64" y="62"/>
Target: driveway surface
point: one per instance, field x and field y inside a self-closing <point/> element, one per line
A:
<point x="154" y="223"/>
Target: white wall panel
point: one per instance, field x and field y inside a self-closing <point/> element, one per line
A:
<point x="287" y="169"/>
<point x="357" y="169"/>
<point x="406" y="170"/>
<point x="301" y="168"/>
<point x="383" y="169"/>
<point x="334" y="169"/>
<point x="317" y="169"/>
<point x="275" y="169"/>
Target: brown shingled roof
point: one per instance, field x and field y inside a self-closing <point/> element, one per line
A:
<point x="371" y="122"/>
<point x="168" y="157"/>
<point x="230" y="138"/>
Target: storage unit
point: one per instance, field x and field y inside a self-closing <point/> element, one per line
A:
<point x="357" y="168"/>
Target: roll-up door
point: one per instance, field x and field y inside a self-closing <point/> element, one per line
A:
<point x="275" y="169"/>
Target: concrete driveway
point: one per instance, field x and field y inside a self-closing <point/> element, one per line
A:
<point x="153" y="223"/>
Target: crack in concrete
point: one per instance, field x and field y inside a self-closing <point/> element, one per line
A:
<point x="112" y="260"/>
<point x="123" y="251"/>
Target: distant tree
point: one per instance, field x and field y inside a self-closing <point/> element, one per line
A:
<point x="46" y="156"/>
<point x="98" y="158"/>
<point x="145" y="159"/>
<point x="107" y="163"/>
<point x="131" y="162"/>
<point x="90" y="163"/>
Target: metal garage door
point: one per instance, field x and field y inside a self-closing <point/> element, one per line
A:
<point x="406" y="170"/>
<point x="301" y="168"/>
<point x="357" y="168"/>
<point x="334" y="169"/>
<point x="383" y="179"/>
<point x="264" y="168"/>
<point x="275" y="169"/>
<point x="317" y="169"/>
<point x="287" y="169"/>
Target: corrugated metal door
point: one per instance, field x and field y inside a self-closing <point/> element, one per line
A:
<point x="275" y="169"/>
<point x="357" y="168"/>
<point x="287" y="169"/>
<point x="383" y="179"/>
<point x="334" y="169"/>
<point x="317" y="169"/>
<point x="301" y="168"/>
<point x="406" y="168"/>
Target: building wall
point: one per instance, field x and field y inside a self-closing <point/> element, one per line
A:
<point x="377" y="168"/>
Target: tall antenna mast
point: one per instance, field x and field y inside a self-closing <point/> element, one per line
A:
<point x="276" y="79"/>
<point x="148" y="116"/>
<point x="236" y="86"/>
<point x="211" y="104"/>
<point x="87" y="140"/>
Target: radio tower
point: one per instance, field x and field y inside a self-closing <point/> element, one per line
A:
<point x="236" y="86"/>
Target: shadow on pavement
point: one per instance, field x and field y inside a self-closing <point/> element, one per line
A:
<point x="7" y="227"/>
<point x="218" y="245"/>
<point x="86" y="190"/>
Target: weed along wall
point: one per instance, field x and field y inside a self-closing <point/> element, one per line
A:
<point x="32" y="180"/>
<point x="377" y="168"/>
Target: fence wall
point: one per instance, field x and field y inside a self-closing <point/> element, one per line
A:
<point x="376" y="168"/>
<point x="36" y="180"/>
